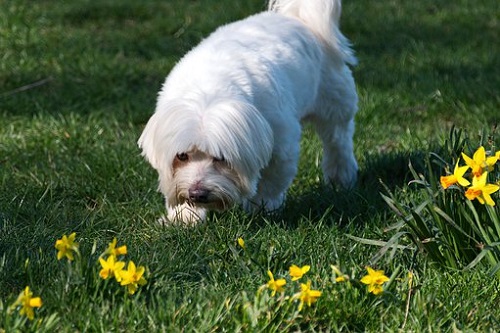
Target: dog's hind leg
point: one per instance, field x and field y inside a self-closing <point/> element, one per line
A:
<point x="333" y="119"/>
<point x="339" y="163"/>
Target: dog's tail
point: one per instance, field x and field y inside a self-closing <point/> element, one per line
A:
<point x="322" y="17"/>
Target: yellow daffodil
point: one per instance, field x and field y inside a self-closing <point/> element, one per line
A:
<point x="374" y="280"/>
<point x="241" y="243"/>
<point x="66" y="246"/>
<point x="479" y="163"/>
<point x="115" y="251"/>
<point x="111" y="267"/>
<point x="275" y="285"/>
<point x="307" y="295"/>
<point x="132" y="277"/>
<point x="297" y="272"/>
<point x="456" y="177"/>
<point x="27" y="303"/>
<point x="410" y="278"/>
<point x="481" y="191"/>
<point x="338" y="275"/>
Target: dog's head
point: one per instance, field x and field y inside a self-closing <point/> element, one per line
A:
<point x="208" y="153"/>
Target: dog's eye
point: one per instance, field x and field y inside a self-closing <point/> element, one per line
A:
<point x="219" y="159"/>
<point x="183" y="157"/>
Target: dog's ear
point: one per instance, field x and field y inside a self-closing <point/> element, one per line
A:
<point x="169" y="131"/>
<point x="147" y="141"/>
<point x="236" y="130"/>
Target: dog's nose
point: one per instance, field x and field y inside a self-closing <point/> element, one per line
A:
<point x="199" y="195"/>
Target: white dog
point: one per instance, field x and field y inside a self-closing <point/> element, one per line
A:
<point x="227" y="124"/>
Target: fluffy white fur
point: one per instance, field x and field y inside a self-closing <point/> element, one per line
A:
<point x="227" y="124"/>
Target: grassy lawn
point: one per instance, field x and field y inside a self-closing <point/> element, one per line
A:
<point x="79" y="80"/>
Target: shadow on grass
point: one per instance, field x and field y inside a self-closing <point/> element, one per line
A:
<point x="359" y="205"/>
<point x="379" y="174"/>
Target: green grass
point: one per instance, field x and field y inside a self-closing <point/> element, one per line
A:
<point x="78" y="81"/>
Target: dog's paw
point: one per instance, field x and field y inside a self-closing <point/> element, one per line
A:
<point x="261" y="204"/>
<point x="343" y="173"/>
<point x="183" y="215"/>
